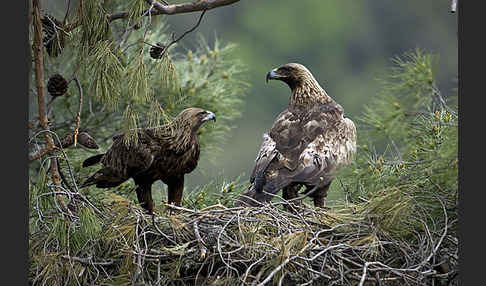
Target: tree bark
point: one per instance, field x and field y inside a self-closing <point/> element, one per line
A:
<point x="39" y="80"/>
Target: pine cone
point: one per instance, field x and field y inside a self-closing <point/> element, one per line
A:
<point x="156" y="51"/>
<point x="87" y="141"/>
<point x="53" y="38"/>
<point x="57" y="85"/>
<point x="83" y="139"/>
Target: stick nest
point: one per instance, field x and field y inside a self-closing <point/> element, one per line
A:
<point x="373" y="243"/>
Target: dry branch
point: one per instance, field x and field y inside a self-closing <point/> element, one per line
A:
<point x="171" y="9"/>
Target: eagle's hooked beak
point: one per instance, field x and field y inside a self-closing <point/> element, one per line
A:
<point x="210" y="116"/>
<point x="272" y="74"/>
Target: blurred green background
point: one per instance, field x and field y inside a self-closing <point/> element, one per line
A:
<point x="345" y="44"/>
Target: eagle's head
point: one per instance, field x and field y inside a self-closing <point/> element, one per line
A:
<point x="292" y="74"/>
<point x="194" y="117"/>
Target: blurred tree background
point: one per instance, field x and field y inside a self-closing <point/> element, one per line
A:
<point x="347" y="45"/>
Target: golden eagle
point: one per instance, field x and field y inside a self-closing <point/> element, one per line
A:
<point x="163" y="153"/>
<point x="306" y="144"/>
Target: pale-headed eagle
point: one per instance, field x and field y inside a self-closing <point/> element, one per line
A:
<point x="306" y="145"/>
<point x="163" y="153"/>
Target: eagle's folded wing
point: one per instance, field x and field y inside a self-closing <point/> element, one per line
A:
<point x="128" y="160"/>
<point x="265" y="156"/>
<point x="304" y="149"/>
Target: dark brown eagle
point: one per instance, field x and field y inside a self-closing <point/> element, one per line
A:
<point x="163" y="153"/>
<point x="306" y="145"/>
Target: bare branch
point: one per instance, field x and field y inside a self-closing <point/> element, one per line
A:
<point x="190" y="6"/>
<point x="88" y="260"/>
<point x="199" y="239"/>
<point x="173" y="41"/>
<point x="181" y="8"/>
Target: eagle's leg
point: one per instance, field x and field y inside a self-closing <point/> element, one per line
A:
<point x="291" y="192"/>
<point x="319" y="195"/>
<point x="144" y="196"/>
<point x="175" y="188"/>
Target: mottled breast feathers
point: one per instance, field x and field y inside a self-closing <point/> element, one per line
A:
<point x="304" y="146"/>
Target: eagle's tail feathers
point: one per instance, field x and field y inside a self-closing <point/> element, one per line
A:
<point x="259" y="182"/>
<point x="103" y="178"/>
<point x="92" y="160"/>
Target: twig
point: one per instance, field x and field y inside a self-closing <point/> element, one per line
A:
<point x="251" y="265"/>
<point x="286" y="261"/>
<point x="173" y="41"/>
<point x="87" y="260"/>
<point x="218" y="240"/>
<point x="199" y="239"/>
<point x="138" y="251"/>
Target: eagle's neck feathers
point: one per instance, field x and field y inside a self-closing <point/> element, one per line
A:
<point x="180" y="135"/>
<point x="184" y="134"/>
<point x="308" y="92"/>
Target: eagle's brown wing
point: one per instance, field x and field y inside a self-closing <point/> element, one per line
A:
<point x="122" y="161"/>
<point x="128" y="160"/>
<point x="265" y="156"/>
<point x="304" y="147"/>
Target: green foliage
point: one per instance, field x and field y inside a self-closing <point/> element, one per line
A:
<point x="210" y="78"/>
<point x="94" y="24"/>
<point x="125" y="89"/>
<point x="407" y="91"/>
<point x="105" y="72"/>
<point x="135" y="11"/>
<point x="419" y="162"/>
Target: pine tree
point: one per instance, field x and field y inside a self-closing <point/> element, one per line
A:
<point x="116" y="86"/>
<point x="408" y="147"/>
